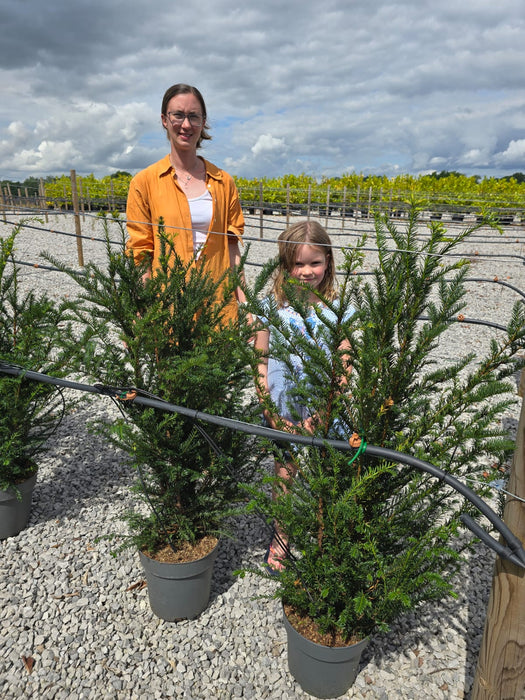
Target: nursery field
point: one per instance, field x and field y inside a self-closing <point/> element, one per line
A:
<point x="350" y="195"/>
<point x="75" y="618"/>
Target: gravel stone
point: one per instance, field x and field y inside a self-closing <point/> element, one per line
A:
<point x="71" y="606"/>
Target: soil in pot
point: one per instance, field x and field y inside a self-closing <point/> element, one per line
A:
<point x="310" y="629"/>
<point x="185" y="552"/>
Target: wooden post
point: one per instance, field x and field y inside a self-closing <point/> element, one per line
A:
<point x="78" y="231"/>
<point x="327" y="206"/>
<point x="81" y="190"/>
<point x="4" y="204"/>
<point x="500" y="673"/>
<point x="309" y="201"/>
<point x="288" y="204"/>
<point x="343" y="209"/>
<point x="261" y="204"/>
<point x="42" y="195"/>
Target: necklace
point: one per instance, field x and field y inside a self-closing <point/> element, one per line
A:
<point x="185" y="177"/>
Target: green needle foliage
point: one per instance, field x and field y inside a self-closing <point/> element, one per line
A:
<point x="167" y="337"/>
<point x="30" y="412"/>
<point x="371" y="539"/>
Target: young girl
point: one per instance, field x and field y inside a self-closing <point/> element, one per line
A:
<point x="305" y="255"/>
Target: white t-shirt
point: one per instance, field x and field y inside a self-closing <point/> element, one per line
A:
<point x="201" y="209"/>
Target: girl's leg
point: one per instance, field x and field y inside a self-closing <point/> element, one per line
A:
<point x="277" y="551"/>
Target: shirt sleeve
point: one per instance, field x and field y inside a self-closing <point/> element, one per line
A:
<point x="139" y="225"/>
<point x="235" y="216"/>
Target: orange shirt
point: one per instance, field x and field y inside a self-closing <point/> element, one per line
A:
<point x="155" y="193"/>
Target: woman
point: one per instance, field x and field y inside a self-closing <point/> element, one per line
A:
<point x="198" y="202"/>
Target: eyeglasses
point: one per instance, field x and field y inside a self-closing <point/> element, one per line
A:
<point x="178" y="118"/>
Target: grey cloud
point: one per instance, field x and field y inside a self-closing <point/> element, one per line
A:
<point x="385" y="87"/>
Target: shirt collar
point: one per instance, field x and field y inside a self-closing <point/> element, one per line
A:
<point x="164" y="166"/>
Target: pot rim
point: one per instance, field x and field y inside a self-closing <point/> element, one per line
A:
<point x="24" y="485"/>
<point x="316" y="645"/>
<point x="154" y="561"/>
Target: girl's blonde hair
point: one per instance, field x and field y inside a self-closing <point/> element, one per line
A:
<point x="311" y="233"/>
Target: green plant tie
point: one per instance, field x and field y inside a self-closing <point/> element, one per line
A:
<point x="360" y="450"/>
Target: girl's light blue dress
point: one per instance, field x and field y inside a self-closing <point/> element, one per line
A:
<point x="281" y="381"/>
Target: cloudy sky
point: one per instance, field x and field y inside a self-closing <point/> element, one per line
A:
<point x="291" y="86"/>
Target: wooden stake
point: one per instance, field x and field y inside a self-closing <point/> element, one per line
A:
<point x="261" y="210"/>
<point x="42" y="198"/>
<point x="500" y="673"/>
<point x="309" y="201"/>
<point x="78" y="231"/>
<point x="4" y="204"/>
<point x="327" y="206"/>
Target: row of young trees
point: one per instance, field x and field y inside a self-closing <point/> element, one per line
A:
<point x="443" y="188"/>
<point x="54" y="185"/>
<point x="435" y="189"/>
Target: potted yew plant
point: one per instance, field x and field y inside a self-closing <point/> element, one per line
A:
<point x="165" y="338"/>
<point x="370" y="539"/>
<point x="30" y="412"/>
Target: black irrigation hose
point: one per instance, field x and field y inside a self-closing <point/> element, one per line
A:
<point x="38" y="266"/>
<point x="473" y="321"/>
<point x="259" y="240"/>
<point x="515" y="289"/>
<point x="514" y="552"/>
<point x="211" y="442"/>
<point x="154" y="510"/>
<point x="64" y="233"/>
<point x="496" y="281"/>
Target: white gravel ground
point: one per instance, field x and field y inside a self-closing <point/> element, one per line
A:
<point x="82" y="615"/>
